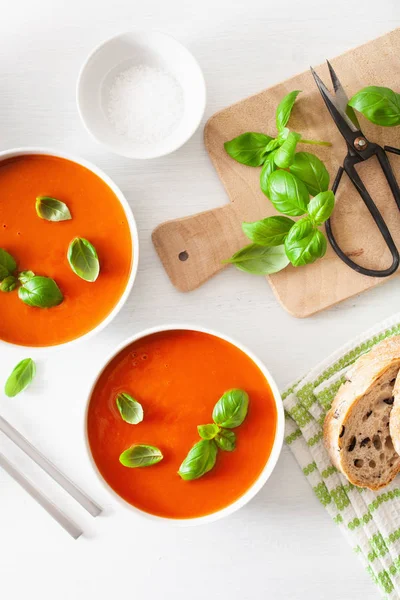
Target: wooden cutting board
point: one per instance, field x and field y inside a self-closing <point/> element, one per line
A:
<point x="191" y="249"/>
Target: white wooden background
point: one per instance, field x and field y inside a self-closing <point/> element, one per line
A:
<point x="282" y="545"/>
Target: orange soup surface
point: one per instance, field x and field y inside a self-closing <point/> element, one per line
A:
<point x="178" y="376"/>
<point x="41" y="246"/>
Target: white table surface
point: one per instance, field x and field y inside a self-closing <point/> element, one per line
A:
<point x="282" y="545"/>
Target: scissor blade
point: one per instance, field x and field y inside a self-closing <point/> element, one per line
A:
<point x="341" y="96"/>
<point x="343" y="123"/>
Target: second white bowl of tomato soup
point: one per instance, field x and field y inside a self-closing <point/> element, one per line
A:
<point x="66" y="224"/>
<point x="184" y="424"/>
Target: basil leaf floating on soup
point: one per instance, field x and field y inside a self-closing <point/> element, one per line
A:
<point x="231" y="409"/>
<point x="199" y="461"/>
<point x="20" y="378"/>
<point x="226" y="440"/>
<point x="40" y="292"/>
<point x="83" y="259"/>
<point x="3" y="272"/>
<point x="25" y="276"/>
<point x="208" y="432"/>
<point x="51" y="209"/>
<point x="130" y="409"/>
<point x="140" y="455"/>
<point x="7" y="263"/>
<point x="8" y="284"/>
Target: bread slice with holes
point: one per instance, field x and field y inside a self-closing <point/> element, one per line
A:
<point x="356" y="429"/>
<point x="394" y="425"/>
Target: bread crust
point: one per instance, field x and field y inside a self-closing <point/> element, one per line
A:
<point x="362" y="376"/>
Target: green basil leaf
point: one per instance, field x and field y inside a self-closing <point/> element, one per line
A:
<point x="283" y="135"/>
<point x="273" y="145"/>
<point x="208" y="432"/>
<point x="40" y="292"/>
<point x="271" y="231"/>
<point x="268" y="168"/>
<point x="285" y="154"/>
<point x="231" y="409"/>
<point x="380" y="105"/>
<point x="260" y="260"/>
<point x="304" y="243"/>
<point x="140" y="455"/>
<point x="321" y="206"/>
<point x="25" y="276"/>
<point x="311" y="171"/>
<point x="285" y="108"/>
<point x="8" y="284"/>
<point x="7" y="262"/>
<point x="226" y="440"/>
<point x="288" y="194"/>
<point x="248" y="148"/>
<point x="3" y="272"/>
<point x="83" y="259"/>
<point x="199" y="461"/>
<point x="51" y="209"/>
<point x="20" y="378"/>
<point x="130" y="409"/>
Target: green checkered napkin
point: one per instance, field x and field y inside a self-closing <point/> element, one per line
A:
<point x="369" y="520"/>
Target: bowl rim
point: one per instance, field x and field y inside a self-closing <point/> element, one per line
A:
<point x="197" y="69"/>
<point x="29" y="150"/>
<point x="269" y="465"/>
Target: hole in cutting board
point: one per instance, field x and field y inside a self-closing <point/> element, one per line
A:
<point x="183" y="256"/>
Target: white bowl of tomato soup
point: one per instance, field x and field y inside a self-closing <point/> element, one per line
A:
<point x="99" y="213"/>
<point x="178" y="373"/>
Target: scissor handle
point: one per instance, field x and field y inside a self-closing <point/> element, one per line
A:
<point x="348" y="167"/>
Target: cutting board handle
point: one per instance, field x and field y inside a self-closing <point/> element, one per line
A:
<point x="192" y="249"/>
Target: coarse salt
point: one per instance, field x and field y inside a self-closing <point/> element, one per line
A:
<point x="145" y="104"/>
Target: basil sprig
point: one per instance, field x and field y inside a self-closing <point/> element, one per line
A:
<point x="52" y="209"/>
<point x="83" y="259"/>
<point x="249" y="148"/>
<point x="287" y="178"/>
<point x="130" y="409"/>
<point x="20" y="378"/>
<point x="229" y="412"/>
<point x="140" y="455"/>
<point x="40" y="292"/>
<point x="380" y="105"/>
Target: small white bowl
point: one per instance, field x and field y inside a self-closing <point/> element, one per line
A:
<point x="133" y="49"/>
<point x="7" y="154"/>
<point x="271" y="461"/>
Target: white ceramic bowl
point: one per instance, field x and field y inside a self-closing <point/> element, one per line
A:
<point x="6" y="154"/>
<point x="270" y="464"/>
<point x="133" y="49"/>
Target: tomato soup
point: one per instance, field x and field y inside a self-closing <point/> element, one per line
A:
<point x="178" y="377"/>
<point x="41" y="246"/>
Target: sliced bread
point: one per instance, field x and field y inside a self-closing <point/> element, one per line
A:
<point x="394" y="425"/>
<point x="356" y="428"/>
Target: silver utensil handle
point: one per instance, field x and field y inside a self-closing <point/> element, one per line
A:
<point x="47" y="504"/>
<point x="43" y="462"/>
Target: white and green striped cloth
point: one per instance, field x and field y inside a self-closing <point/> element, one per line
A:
<point x="369" y="520"/>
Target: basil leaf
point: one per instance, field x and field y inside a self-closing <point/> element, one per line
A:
<point x="199" y="461"/>
<point x="321" y="206"/>
<point x="248" y="148"/>
<point x="51" y="209"/>
<point x="271" y="231"/>
<point x="8" y="284"/>
<point x="7" y="262"/>
<point x="268" y="168"/>
<point x="285" y="108"/>
<point x="140" y="455"/>
<point x="288" y="194"/>
<point x="25" y="276"/>
<point x="311" y="171"/>
<point x="40" y="292"/>
<point x="273" y="145"/>
<point x="380" y="105"/>
<point x="260" y="260"/>
<point x="20" y="378"/>
<point x="83" y="259"/>
<point x="283" y="135"/>
<point x="285" y="154"/>
<point x="304" y="244"/>
<point x="130" y="409"/>
<point x="231" y="409"/>
<point x="208" y="432"/>
<point x="3" y="272"/>
<point x="226" y="440"/>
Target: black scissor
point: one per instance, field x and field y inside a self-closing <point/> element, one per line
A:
<point x="359" y="148"/>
